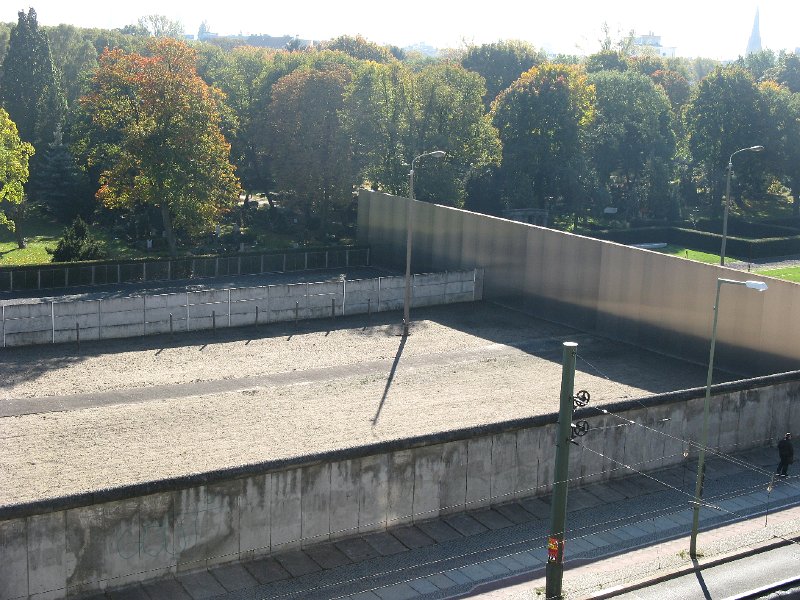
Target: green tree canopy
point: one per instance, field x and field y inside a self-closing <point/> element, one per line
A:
<point x="154" y="126"/>
<point x="542" y="119"/>
<point x="30" y="88"/>
<point x="360" y="48"/>
<point x="14" y="156"/>
<point x="501" y="63"/>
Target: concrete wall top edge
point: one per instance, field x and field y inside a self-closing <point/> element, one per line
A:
<point x="15" y="511"/>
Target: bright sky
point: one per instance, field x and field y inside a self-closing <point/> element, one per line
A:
<point x="709" y="28"/>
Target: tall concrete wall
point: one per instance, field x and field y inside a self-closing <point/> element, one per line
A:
<point x="56" y="322"/>
<point x="646" y="298"/>
<point x="67" y="546"/>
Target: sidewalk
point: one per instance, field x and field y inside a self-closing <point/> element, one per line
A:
<point x="500" y="552"/>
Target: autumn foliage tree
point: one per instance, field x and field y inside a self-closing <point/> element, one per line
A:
<point x="154" y="125"/>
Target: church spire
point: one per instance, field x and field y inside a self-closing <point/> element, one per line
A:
<point x="754" y="43"/>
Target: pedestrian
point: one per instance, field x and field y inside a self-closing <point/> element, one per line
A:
<point x="786" y="452"/>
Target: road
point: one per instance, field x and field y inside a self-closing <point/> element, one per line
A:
<point x="730" y="580"/>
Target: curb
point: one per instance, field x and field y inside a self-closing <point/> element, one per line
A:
<point x="726" y="558"/>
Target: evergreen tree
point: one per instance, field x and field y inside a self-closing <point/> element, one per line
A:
<point x="30" y="89"/>
<point x="77" y="244"/>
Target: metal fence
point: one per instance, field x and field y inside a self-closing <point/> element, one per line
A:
<point x="22" y="279"/>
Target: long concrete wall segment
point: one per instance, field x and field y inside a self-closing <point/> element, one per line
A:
<point x="72" y="546"/>
<point x="650" y="299"/>
<point x="83" y="320"/>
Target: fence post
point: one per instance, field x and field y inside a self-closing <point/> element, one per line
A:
<point x="344" y="293"/>
<point x="216" y="267"/>
<point x="214" y="321"/>
<point x="144" y="271"/>
<point x="52" y="319"/>
<point x="93" y="268"/>
<point x="119" y="273"/>
<point x="378" y="309"/>
<point x="100" y="319"/>
<point x="144" y="315"/>
<point x="284" y="262"/>
<point x="256" y="315"/>
<point x="66" y="277"/>
<point x="333" y="308"/>
<point x="4" y="326"/>
<point x="78" y="335"/>
<point x="367" y="258"/>
<point x="326" y="259"/>
<point x="296" y="311"/>
<point x="347" y="257"/>
<point x="262" y="264"/>
<point x="169" y="270"/>
<point x="38" y="279"/>
<point x="305" y="258"/>
<point x="170" y="324"/>
<point x="11" y="280"/>
<point x="229" y="307"/>
<point x="187" y="310"/>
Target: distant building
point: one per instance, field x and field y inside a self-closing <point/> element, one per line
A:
<point x="650" y="44"/>
<point x="754" y="43"/>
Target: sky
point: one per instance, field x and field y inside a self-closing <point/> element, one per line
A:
<point x="707" y="28"/>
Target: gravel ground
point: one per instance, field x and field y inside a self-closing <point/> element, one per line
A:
<point x="463" y="365"/>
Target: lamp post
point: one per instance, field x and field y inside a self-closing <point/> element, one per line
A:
<point x="410" y="234"/>
<point x="701" y="457"/>
<point x="728" y="199"/>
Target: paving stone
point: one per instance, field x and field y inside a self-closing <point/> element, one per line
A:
<point x="364" y="596"/>
<point x="423" y="586"/>
<point x="328" y="556"/>
<point x="439" y="531"/>
<point x="266" y="570"/>
<point x="233" y="577"/>
<point x="465" y="525"/>
<point x="166" y="588"/>
<point x="510" y="563"/>
<point x="441" y="581"/>
<point x="200" y="584"/>
<point x="356" y="549"/>
<point x="581" y="499"/>
<point x="496" y="567"/>
<point x="537" y="507"/>
<point x="400" y="591"/>
<point x="491" y="519"/>
<point x="606" y="493"/>
<point x="297" y="563"/>
<point x="527" y="559"/>
<point x="578" y="546"/>
<point x="514" y="513"/>
<point x="476" y="572"/>
<point x="412" y="537"/>
<point x="135" y="592"/>
<point x="458" y="577"/>
<point x="385" y="543"/>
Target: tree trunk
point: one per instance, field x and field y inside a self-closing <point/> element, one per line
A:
<point x="173" y="247"/>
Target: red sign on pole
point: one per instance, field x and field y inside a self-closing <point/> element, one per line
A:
<point x="555" y="550"/>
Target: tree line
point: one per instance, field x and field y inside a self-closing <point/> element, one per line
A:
<point x="111" y="123"/>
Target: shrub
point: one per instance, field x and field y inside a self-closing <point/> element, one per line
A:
<point x="77" y="244"/>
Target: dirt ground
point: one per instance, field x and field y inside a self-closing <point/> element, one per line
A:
<point x="354" y="381"/>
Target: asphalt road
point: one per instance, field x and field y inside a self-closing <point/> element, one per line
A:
<point x="731" y="580"/>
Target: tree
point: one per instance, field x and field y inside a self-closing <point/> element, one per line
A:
<point x="674" y="85"/>
<point x="309" y="147"/>
<point x="787" y="71"/>
<point x="360" y="48"/>
<point x="542" y="119"/>
<point x="781" y="150"/>
<point x="74" y="57"/>
<point x="501" y="63"/>
<point x="631" y="139"/>
<point x="725" y="113"/>
<point x="14" y="156"/>
<point x="154" y="126"/>
<point x="29" y="88"/>
<point x="161" y="26"/>
<point x="77" y="244"/>
<point x="448" y="114"/>
<point x="606" y="60"/>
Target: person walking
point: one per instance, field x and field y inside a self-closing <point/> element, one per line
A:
<point x="786" y="453"/>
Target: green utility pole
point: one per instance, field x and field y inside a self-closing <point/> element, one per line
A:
<point x="555" y="543"/>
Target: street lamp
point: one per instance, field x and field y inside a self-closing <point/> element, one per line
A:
<point x="410" y="233"/>
<point x="728" y="199"/>
<point x="701" y="457"/>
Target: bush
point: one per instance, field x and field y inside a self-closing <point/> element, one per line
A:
<point x="77" y="244"/>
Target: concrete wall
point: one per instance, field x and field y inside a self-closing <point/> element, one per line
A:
<point x="646" y="298"/>
<point x="113" y="537"/>
<point x="56" y="322"/>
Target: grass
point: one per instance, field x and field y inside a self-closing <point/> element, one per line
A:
<point x="687" y="253"/>
<point x="47" y="234"/>
<point x="788" y="273"/>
